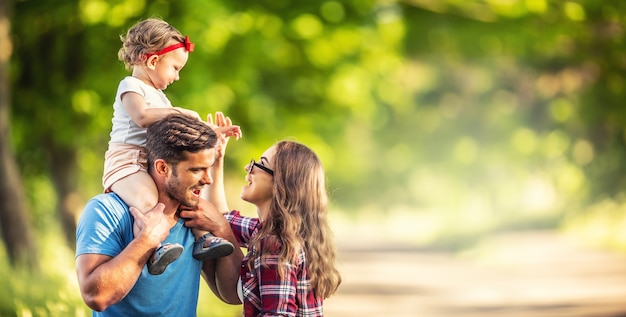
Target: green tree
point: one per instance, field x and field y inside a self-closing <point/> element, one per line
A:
<point x="15" y="227"/>
<point x="411" y="104"/>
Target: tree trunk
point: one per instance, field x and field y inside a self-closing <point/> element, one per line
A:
<point x="14" y="224"/>
<point x="64" y="178"/>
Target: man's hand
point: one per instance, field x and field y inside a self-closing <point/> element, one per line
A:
<point x="154" y="226"/>
<point x="105" y="280"/>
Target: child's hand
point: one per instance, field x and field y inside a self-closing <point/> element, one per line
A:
<point x="188" y="112"/>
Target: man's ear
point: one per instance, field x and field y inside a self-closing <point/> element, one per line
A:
<point x="161" y="167"/>
<point x="152" y="61"/>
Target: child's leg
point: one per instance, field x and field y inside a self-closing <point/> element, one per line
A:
<point x="138" y="190"/>
<point x="208" y="246"/>
<point x="198" y="233"/>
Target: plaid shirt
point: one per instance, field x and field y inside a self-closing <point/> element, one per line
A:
<point x="264" y="292"/>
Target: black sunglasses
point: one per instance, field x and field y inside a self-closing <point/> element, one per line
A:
<point x="253" y="163"/>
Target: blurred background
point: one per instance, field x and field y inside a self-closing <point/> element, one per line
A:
<point x="440" y="122"/>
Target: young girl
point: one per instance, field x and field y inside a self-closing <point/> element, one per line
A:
<point x="289" y="268"/>
<point x="155" y="52"/>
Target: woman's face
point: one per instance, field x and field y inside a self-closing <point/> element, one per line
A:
<point x="258" y="189"/>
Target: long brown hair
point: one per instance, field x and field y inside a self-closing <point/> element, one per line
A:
<point x="297" y="216"/>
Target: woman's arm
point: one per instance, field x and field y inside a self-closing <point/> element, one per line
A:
<point x="223" y="273"/>
<point x="215" y="193"/>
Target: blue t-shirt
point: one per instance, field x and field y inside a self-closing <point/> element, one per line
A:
<point x="106" y="227"/>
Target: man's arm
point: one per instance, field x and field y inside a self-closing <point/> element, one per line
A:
<point x="106" y="280"/>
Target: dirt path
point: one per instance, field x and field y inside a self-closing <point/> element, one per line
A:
<point x="514" y="275"/>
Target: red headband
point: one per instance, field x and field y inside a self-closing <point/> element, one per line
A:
<point x="187" y="45"/>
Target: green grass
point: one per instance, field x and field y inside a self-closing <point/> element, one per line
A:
<point x="52" y="291"/>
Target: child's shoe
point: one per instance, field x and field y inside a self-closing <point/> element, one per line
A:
<point x="163" y="256"/>
<point x="211" y="247"/>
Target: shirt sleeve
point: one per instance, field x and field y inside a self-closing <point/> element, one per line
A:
<point x="243" y="227"/>
<point x="278" y="295"/>
<point x="129" y="84"/>
<point x="104" y="227"/>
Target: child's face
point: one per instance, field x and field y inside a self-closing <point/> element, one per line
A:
<point x="166" y="68"/>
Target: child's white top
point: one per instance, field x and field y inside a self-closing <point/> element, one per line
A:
<point x="125" y="130"/>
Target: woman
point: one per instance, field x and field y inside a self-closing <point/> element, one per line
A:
<point x="289" y="268"/>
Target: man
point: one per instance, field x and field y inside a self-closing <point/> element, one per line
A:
<point x="111" y="260"/>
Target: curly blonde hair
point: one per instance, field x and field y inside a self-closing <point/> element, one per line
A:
<point x="147" y="36"/>
<point x="297" y="217"/>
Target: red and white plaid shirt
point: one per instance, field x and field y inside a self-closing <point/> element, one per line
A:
<point x="264" y="292"/>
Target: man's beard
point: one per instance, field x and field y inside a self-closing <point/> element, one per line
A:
<point x="175" y="191"/>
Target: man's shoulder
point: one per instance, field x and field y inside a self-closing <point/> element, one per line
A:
<point x="109" y="196"/>
<point x="109" y="210"/>
<point x="104" y="227"/>
<point x="108" y="201"/>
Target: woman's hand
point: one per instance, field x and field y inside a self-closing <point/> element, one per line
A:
<point x="225" y="129"/>
<point x="206" y="217"/>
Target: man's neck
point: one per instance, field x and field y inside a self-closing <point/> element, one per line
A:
<point x="171" y="206"/>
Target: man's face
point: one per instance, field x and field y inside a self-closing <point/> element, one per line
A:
<point x="188" y="177"/>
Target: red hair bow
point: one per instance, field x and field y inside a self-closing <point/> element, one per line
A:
<point x="189" y="47"/>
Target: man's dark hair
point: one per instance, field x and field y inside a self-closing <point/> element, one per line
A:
<point x="173" y="136"/>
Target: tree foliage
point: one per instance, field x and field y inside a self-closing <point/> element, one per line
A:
<point x="475" y="109"/>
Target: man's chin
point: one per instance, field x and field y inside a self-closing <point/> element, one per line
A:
<point x="184" y="207"/>
<point x="190" y="203"/>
